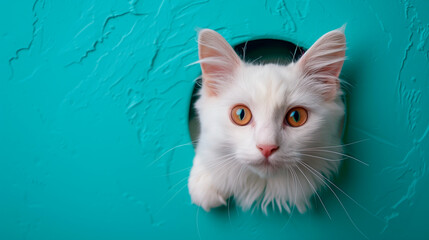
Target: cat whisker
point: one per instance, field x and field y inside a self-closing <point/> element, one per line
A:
<point x="218" y="168"/>
<point x="256" y="59"/>
<point x="240" y="172"/>
<point x="333" y="184"/>
<point x="315" y="191"/>
<point x="295" y="177"/>
<point x="338" y="146"/>
<point x="222" y="168"/>
<point x="322" y="158"/>
<point x="295" y="180"/>
<point x="336" y="196"/>
<point x="244" y="51"/>
<point x="294" y="53"/>
<point x="220" y="165"/>
<point x="181" y="189"/>
<point x="346" y="85"/>
<point x="342" y="154"/>
<point x="198" y="227"/>
<point x="169" y="150"/>
<point x="226" y="146"/>
<point x="238" y="176"/>
<point x="198" y="80"/>
<point x="229" y="214"/>
<point x="172" y="187"/>
<point x="221" y="160"/>
<point x="176" y="172"/>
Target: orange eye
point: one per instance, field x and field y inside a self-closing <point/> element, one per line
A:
<point x="241" y="115"/>
<point x="296" y="117"/>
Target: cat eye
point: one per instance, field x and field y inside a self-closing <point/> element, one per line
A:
<point x="241" y="115"/>
<point x="296" y="117"/>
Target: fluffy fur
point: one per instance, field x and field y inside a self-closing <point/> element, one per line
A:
<point x="228" y="163"/>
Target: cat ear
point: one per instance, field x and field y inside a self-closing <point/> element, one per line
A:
<point x="322" y="63"/>
<point x="218" y="61"/>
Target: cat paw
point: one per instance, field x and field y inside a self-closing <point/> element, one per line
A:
<point x="203" y="193"/>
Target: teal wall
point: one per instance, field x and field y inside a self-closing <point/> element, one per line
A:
<point x="92" y="93"/>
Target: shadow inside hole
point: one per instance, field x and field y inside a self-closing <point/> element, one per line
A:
<point x="261" y="51"/>
<point x="264" y="51"/>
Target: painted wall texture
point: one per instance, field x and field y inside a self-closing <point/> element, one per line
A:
<point x="93" y="94"/>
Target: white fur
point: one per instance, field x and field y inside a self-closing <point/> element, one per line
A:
<point x="226" y="154"/>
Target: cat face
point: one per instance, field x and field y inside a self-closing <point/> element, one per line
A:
<point x="268" y="143"/>
<point x="264" y="116"/>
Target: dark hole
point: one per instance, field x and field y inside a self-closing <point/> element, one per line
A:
<point x="262" y="51"/>
<point x="265" y="51"/>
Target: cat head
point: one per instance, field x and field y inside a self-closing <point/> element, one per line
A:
<point x="263" y="116"/>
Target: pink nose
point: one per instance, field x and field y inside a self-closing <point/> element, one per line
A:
<point x="267" y="150"/>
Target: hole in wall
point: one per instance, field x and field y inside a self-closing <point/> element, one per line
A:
<point x="261" y="51"/>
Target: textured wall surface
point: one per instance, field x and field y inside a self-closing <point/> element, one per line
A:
<point x="93" y="94"/>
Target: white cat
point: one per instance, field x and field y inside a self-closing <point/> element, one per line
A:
<point x="269" y="133"/>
